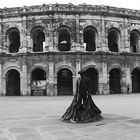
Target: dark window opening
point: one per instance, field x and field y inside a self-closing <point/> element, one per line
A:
<point x="38" y="40"/>
<point x="134" y="41"/>
<point x="14" y="41"/>
<point x="89" y="40"/>
<point x="113" y="41"/>
<point x="114" y="81"/>
<point x="64" y="82"/>
<point x="64" y="40"/>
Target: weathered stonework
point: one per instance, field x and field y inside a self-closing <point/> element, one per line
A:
<point x="49" y="43"/>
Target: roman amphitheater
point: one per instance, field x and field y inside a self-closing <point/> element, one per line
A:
<point x="43" y="47"/>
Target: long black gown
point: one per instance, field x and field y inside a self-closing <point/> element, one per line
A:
<point x="87" y="112"/>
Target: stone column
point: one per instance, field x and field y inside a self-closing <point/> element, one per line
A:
<point x="104" y="78"/>
<point x="123" y="81"/>
<point x="47" y="41"/>
<point x="51" y="40"/>
<point x="4" y="85"/>
<point x="4" y="42"/>
<point x="128" y="78"/>
<point x="103" y="37"/>
<point x="23" y="39"/>
<point x="0" y="38"/>
<point x="24" y="79"/>
<point x="55" y="43"/>
<point x="29" y="43"/>
<point x="77" y="29"/>
<point x="79" y="37"/>
<point x="28" y="84"/>
<point x="51" y="76"/>
<point x="78" y="68"/>
<point x="1" y="78"/>
<point x="126" y="37"/>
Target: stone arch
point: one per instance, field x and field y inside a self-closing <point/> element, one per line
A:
<point x="36" y="67"/>
<point x="64" y="38"/>
<point x="38" y="38"/>
<point x="134" y="41"/>
<point x="12" y="82"/>
<point x="93" y="74"/>
<point x="67" y="67"/>
<point x="114" y="39"/>
<point x="13" y="39"/>
<point x="135" y="77"/>
<point x="12" y="67"/>
<point x="38" y="25"/>
<point x="117" y="66"/>
<point x="90" y="38"/>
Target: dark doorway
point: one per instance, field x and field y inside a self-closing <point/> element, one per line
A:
<point x="135" y="81"/>
<point x="64" y="82"/>
<point x="38" y="82"/>
<point x="114" y="81"/>
<point x="89" y="39"/>
<point x="12" y="83"/>
<point x="92" y="73"/>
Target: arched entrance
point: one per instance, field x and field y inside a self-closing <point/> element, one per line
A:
<point x="13" y="39"/>
<point x="38" y="82"/>
<point x="64" y="82"/>
<point x="113" y="40"/>
<point x="135" y="80"/>
<point x="92" y="73"/>
<point x="114" y="81"/>
<point x="38" y="37"/>
<point x="12" y="83"/>
<point x="134" y="41"/>
<point x="63" y="39"/>
<point x="90" y="38"/>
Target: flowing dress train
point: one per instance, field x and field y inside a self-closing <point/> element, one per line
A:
<point x="87" y="112"/>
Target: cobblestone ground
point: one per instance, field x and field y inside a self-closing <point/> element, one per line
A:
<point x="38" y="118"/>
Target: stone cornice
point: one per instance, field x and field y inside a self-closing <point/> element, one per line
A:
<point x="69" y="9"/>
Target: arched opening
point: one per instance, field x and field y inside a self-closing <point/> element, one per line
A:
<point x="115" y="81"/>
<point x="38" y="37"/>
<point x="90" y="38"/>
<point x="12" y="83"/>
<point x="135" y="80"/>
<point x="63" y="39"/>
<point x="64" y="82"/>
<point x="134" y="41"/>
<point x="113" y="39"/>
<point x="13" y="40"/>
<point x="92" y="73"/>
<point x="38" y="82"/>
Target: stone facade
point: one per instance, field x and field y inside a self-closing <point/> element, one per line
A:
<point x="43" y="47"/>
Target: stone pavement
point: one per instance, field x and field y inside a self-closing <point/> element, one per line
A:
<point x="38" y="118"/>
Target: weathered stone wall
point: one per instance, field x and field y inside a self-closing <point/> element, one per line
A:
<point x="76" y="18"/>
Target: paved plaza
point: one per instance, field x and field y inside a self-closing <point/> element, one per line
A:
<point x="38" y="118"/>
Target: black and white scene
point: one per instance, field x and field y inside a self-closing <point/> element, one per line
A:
<point x="69" y="70"/>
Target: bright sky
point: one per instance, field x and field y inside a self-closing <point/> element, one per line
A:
<point x="131" y="4"/>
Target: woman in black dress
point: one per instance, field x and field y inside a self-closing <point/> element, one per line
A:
<point x="82" y="108"/>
